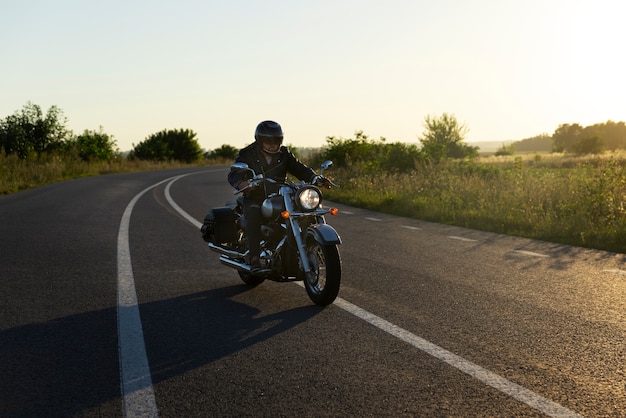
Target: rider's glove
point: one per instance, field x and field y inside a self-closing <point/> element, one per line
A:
<point x="321" y="181"/>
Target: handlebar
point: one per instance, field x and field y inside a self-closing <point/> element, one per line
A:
<point x="257" y="179"/>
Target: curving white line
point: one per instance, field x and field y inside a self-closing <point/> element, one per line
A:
<point x="135" y="381"/>
<point x="175" y="206"/>
<point x="494" y="380"/>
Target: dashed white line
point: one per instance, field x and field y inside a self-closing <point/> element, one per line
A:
<point x="374" y="219"/>
<point x="616" y="271"/>
<point x="414" y="228"/>
<point x="461" y="238"/>
<point x="531" y="253"/>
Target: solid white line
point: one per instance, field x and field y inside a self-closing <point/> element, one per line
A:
<point x="177" y="208"/>
<point x="135" y="380"/>
<point x="489" y="378"/>
<point x="497" y="382"/>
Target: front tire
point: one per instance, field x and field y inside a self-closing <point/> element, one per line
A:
<point x="322" y="284"/>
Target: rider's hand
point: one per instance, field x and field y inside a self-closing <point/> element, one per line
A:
<point x="321" y="181"/>
<point x="243" y="185"/>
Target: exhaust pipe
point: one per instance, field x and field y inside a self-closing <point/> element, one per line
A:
<point x="235" y="264"/>
<point x="225" y="251"/>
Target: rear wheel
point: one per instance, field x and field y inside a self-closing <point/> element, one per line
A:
<point x="322" y="283"/>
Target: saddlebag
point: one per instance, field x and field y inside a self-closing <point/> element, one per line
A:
<point x="219" y="226"/>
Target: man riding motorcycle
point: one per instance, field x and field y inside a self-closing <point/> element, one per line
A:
<point x="266" y="155"/>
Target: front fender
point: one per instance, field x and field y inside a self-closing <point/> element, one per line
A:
<point x="324" y="234"/>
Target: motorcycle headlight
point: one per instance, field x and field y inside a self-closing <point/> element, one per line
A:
<point x="309" y="198"/>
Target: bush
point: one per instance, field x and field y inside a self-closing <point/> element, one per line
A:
<point x="375" y="155"/>
<point x="169" y="145"/>
<point x="93" y="146"/>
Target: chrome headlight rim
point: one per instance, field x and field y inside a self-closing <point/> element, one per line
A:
<point x="309" y="198"/>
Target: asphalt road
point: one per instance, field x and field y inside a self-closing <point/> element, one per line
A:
<point x="111" y="304"/>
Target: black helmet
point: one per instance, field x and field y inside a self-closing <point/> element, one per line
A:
<point x="269" y="131"/>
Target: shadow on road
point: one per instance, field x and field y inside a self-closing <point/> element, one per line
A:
<point x="193" y="330"/>
<point x="69" y="366"/>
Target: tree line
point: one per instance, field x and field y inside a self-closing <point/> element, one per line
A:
<point x="30" y="132"/>
<point x="575" y="139"/>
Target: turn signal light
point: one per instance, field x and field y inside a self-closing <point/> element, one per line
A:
<point x="284" y="214"/>
<point x="333" y="211"/>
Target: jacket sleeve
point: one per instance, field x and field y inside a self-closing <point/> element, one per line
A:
<point x="235" y="177"/>
<point x="297" y="168"/>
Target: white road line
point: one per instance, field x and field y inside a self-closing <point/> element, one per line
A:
<point x="414" y="228"/>
<point x="374" y="219"/>
<point x="346" y="212"/>
<point x="497" y="382"/>
<point x="177" y="208"/>
<point x="489" y="378"/>
<point x="531" y="253"/>
<point x="616" y="271"/>
<point x="135" y="379"/>
<point x="461" y="238"/>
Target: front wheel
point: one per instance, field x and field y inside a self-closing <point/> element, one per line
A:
<point x="322" y="283"/>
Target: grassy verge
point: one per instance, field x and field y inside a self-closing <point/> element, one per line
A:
<point x="575" y="201"/>
<point x="17" y="174"/>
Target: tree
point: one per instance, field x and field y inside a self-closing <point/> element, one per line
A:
<point x="538" y="143"/>
<point x="506" y="149"/>
<point x="168" y="145"/>
<point x="589" y="145"/>
<point x="227" y="152"/>
<point x="565" y="136"/>
<point x="94" y="145"/>
<point x="372" y="154"/>
<point x="29" y="131"/>
<point x="444" y="138"/>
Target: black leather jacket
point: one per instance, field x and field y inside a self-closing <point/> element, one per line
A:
<point x="282" y="163"/>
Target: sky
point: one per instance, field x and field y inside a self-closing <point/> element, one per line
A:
<point x="506" y="69"/>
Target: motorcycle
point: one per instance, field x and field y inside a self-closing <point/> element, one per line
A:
<point x="296" y="242"/>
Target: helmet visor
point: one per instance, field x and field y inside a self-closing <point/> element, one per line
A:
<point x="272" y="140"/>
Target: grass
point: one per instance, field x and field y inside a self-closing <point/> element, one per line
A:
<point x="20" y="174"/>
<point x="575" y="201"/>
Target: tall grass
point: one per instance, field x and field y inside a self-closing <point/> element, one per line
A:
<point x="576" y="201"/>
<point x="19" y="174"/>
<point x="571" y="200"/>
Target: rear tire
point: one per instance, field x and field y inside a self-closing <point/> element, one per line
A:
<point x="322" y="285"/>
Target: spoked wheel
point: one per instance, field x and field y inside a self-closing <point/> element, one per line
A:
<point x="322" y="283"/>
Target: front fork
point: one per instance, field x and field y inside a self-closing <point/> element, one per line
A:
<point x="297" y="234"/>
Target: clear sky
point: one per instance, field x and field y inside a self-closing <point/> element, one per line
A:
<point x="508" y="69"/>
